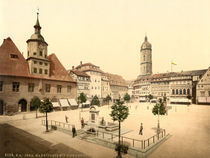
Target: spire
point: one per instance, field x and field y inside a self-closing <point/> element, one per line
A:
<point x="37" y="25"/>
<point x="145" y="39"/>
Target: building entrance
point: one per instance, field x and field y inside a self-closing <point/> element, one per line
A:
<point x="23" y="105"/>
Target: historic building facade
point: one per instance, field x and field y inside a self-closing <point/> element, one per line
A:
<point x="118" y="86"/>
<point x="83" y="81"/>
<point x="39" y="75"/>
<point x="95" y="74"/>
<point x="203" y="89"/>
<point x="175" y="86"/>
<point x="105" y="86"/>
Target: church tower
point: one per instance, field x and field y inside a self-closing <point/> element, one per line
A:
<point x="37" y="52"/>
<point x="146" y="58"/>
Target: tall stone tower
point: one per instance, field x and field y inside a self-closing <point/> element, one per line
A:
<point x="37" y="52"/>
<point x="146" y="58"/>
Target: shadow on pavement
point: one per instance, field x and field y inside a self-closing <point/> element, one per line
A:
<point x="15" y="141"/>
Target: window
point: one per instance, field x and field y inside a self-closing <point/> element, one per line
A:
<point x="40" y="53"/>
<point x="59" y="87"/>
<point x="173" y="91"/>
<point x="46" y="71"/>
<point x="28" y="53"/>
<point x="177" y="91"/>
<point x="180" y="91"/>
<point x="40" y="63"/>
<point x="202" y="93"/>
<point x="31" y="87"/>
<point x="35" y="70"/>
<point x="45" y="64"/>
<point x="68" y="89"/>
<point x="34" y="53"/>
<point x="1" y="85"/>
<point x="188" y="91"/>
<point x="144" y="57"/>
<point x="40" y="71"/>
<point x="47" y="87"/>
<point x="35" y="62"/>
<point x="184" y="91"/>
<point x="209" y="93"/>
<point x="14" y="56"/>
<point x="15" y="86"/>
<point x="45" y="56"/>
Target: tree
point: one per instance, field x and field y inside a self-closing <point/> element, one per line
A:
<point x="119" y="113"/>
<point x="45" y="107"/>
<point x="108" y="98"/>
<point x="189" y="97"/>
<point x="95" y="101"/>
<point x="35" y="103"/>
<point x="159" y="109"/>
<point x="82" y="98"/>
<point x="127" y="97"/>
<point x="150" y="96"/>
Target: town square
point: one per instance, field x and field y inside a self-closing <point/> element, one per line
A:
<point x="104" y="79"/>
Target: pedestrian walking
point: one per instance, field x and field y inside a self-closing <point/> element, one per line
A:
<point x="74" y="132"/>
<point x="66" y="118"/>
<point x="141" y="129"/>
<point x="82" y="123"/>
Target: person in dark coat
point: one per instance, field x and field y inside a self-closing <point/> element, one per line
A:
<point x="66" y="118"/>
<point x="141" y="129"/>
<point x="74" y="132"/>
<point x="82" y="123"/>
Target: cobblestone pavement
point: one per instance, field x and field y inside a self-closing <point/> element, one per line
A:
<point x="188" y="125"/>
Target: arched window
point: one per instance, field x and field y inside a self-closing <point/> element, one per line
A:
<point x="180" y="91"/>
<point x="184" y="91"/>
<point x="177" y="91"/>
<point x="173" y="91"/>
<point x="188" y="91"/>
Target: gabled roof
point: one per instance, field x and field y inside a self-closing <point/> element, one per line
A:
<point x="57" y="70"/>
<point x="116" y="80"/>
<point x="79" y="73"/>
<point x="171" y="74"/>
<point x="12" y="63"/>
<point x="16" y="66"/>
<point x="91" y="67"/>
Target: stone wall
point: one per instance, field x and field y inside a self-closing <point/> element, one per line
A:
<point x="11" y="98"/>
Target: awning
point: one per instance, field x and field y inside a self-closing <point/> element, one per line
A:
<point x="55" y="104"/>
<point x="87" y="102"/>
<point x="72" y="102"/>
<point x="64" y="102"/>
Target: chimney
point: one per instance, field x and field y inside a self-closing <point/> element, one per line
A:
<point x="80" y="62"/>
<point x="72" y="67"/>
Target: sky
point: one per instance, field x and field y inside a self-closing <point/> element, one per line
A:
<point x="109" y="33"/>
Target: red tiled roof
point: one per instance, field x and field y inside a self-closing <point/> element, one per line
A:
<point x="12" y="66"/>
<point x="79" y="73"/>
<point x="18" y="66"/>
<point x="57" y="70"/>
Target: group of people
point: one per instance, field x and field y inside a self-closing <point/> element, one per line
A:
<point x="74" y="132"/>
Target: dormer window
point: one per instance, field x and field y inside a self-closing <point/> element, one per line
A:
<point x="14" y="56"/>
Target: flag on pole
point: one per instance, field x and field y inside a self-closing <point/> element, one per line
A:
<point x="173" y="63"/>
